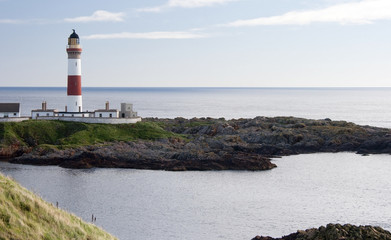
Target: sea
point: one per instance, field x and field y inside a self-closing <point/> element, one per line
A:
<point x="304" y="191"/>
<point x="365" y="106"/>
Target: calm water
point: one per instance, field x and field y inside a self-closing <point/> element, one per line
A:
<point x="304" y="191"/>
<point x="366" y="106"/>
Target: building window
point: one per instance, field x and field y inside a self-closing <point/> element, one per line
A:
<point x="111" y="115"/>
<point x="14" y="114"/>
<point x="37" y="114"/>
<point x="47" y="114"/>
<point x="100" y="114"/>
<point x="123" y="115"/>
<point x="73" y="115"/>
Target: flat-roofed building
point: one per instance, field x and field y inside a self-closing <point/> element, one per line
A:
<point x="107" y="112"/>
<point x="44" y="112"/>
<point x="127" y="111"/>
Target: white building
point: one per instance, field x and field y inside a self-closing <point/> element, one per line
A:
<point x="127" y="111"/>
<point x="9" y="110"/>
<point x="76" y="114"/>
<point x="106" y="113"/>
<point x="44" y="112"/>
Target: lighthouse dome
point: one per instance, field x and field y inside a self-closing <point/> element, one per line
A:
<point x="74" y="35"/>
<point x="73" y="39"/>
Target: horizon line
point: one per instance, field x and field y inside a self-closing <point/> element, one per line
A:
<point x="301" y="87"/>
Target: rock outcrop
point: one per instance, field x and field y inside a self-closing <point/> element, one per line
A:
<point x="165" y="154"/>
<point x="214" y="144"/>
<point x="336" y="232"/>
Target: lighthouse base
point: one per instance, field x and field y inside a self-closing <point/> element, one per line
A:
<point x="74" y="103"/>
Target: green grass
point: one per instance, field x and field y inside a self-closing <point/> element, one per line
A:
<point x="59" y="134"/>
<point x="23" y="215"/>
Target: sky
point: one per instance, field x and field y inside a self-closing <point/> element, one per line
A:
<point x="198" y="43"/>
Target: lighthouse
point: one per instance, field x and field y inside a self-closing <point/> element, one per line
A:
<point x="74" y="98"/>
<point x="74" y="107"/>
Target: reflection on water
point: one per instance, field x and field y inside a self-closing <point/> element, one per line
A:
<point x="303" y="191"/>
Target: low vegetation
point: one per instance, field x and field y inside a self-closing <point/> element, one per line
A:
<point x="24" y="215"/>
<point x="184" y="144"/>
<point x="59" y="134"/>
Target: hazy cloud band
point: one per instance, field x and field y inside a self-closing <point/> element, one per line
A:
<point x="147" y="35"/>
<point x="185" y="4"/>
<point x="363" y="12"/>
<point x="99" y="16"/>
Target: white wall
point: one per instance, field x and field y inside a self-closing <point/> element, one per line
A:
<point x="42" y="114"/>
<point x="18" y="119"/>
<point x="74" y="102"/>
<point x="76" y="114"/>
<point x="94" y="120"/>
<point x="114" y="114"/>
<point x="74" y="67"/>
<point x="9" y="114"/>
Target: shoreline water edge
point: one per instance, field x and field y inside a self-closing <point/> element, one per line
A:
<point x="185" y="144"/>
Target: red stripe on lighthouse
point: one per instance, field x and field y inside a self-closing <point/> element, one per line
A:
<point x="74" y="50"/>
<point x="74" y="85"/>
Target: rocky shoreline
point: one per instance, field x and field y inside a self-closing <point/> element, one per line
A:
<point x="214" y="144"/>
<point x="336" y="232"/>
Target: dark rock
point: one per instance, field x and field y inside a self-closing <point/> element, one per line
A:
<point x="215" y="144"/>
<point x="336" y="232"/>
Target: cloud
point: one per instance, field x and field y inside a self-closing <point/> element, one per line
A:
<point x="185" y="4"/>
<point x="28" y="21"/>
<point x="99" y="16"/>
<point x="147" y="35"/>
<point x="362" y="12"/>
<point x="11" y="21"/>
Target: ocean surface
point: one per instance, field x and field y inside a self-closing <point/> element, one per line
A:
<point x="303" y="191"/>
<point x="365" y="106"/>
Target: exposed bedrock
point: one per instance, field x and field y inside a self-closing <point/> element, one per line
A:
<point x="215" y="144"/>
<point x="336" y="232"/>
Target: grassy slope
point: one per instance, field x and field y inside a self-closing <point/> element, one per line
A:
<point x="24" y="215"/>
<point x="70" y="134"/>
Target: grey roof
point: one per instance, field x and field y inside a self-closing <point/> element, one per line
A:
<point x="9" y="107"/>
<point x="47" y="110"/>
<point x="75" y="112"/>
<point x="105" y="110"/>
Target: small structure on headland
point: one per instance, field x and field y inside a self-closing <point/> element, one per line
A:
<point x="74" y="107"/>
<point x="9" y="110"/>
<point x="106" y="115"/>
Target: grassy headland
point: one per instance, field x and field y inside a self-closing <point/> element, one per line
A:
<point x="23" y="215"/>
<point x="184" y="144"/>
<point x="59" y="134"/>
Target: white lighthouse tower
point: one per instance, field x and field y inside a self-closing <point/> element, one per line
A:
<point x="74" y="98"/>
